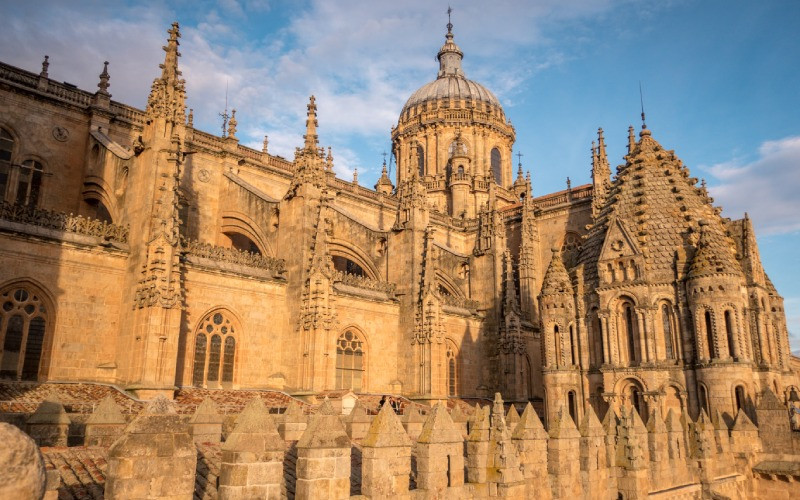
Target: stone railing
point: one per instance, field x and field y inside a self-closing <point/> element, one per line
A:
<point x="233" y="256"/>
<point x="562" y="197"/>
<point x="456" y="222"/>
<point x="128" y="113"/>
<point x="460" y="302"/>
<point x="61" y="221"/>
<point x="207" y="140"/>
<point x="364" y="282"/>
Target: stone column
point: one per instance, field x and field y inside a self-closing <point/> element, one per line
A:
<point x="385" y="457"/>
<point x="105" y="425"/>
<point x="49" y="424"/>
<point x="206" y="423"/>
<point x="323" y="460"/>
<point x="563" y="456"/>
<point x="252" y="458"/>
<point x="440" y="454"/>
<point x="154" y="459"/>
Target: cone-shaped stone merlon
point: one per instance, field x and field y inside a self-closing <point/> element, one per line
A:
<point x="556" y="280"/>
<point x="498" y="419"/>
<point x="207" y="412"/>
<point x="743" y="422"/>
<point x="255" y="432"/>
<point x="439" y="428"/>
<point x="294" y="410"/>
<point x="326" y="408"/>
<point x="719" y="422"/>
<point x="703" y="421"/>
<point x="159" y="406"/>
<point x="673" y="421"/>
<point x="610" y="422"/>
<point x="529" y="426"/>
<point x="386" y="431"/>
<point x="714" y="253"/>
<point x="769" y="401"/>
<point x="590" y="424"/>
<point x="311" y="140"/>
<point x="255" y="405"/>
<point x="654" y="422"/>
<point x="413" y="415"/>
<point x="563" y="427"/>
<point x="324" y="431"/>
<point x="512" y="417"/>
<point x="636" y="422"/>
<point x="358" y="412"/>
<point x="107" y="412"/>
<point x="457" y="415"/>
<point x="49" y="411"/>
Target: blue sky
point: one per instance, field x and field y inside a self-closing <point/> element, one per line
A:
<point x="721" y="81"/>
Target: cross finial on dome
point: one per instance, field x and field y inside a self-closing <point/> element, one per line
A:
<point x="449" y="22"/>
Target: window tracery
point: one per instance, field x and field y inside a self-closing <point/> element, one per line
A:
<point x="214" y="367"/>
<point x="23" y="319"/>
<point x="350" y="361"/>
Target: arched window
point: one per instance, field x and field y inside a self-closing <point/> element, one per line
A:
<point x="740" y="397"/>
<point x="557" y="347"/>
<point x="704" y="400"/>
<point x="729" y="332"/>
<point x="597" y="335"/>
<point x="349" y="361"/>
<point x="6" y="148"/>
<point x="666" y="322"/>
<point x="242" y="242"/>
<point x="637" y="401"/>
<point x="452" y="370"/>
<point x="573" y="347"/>
<point x="709" y="333"/>
<point x="97" y="210"/>
<point x="421" y="160"/>
<point x="23" y="319"/>
<point x="497" y="168"/>
<point x="345" y="265"/>
<point x="572" y="404"/>
<point x="214" y="367"/>
<point x="570" y="248"/>
<point x="630" y="332"/>
<point x="29" y="183"/>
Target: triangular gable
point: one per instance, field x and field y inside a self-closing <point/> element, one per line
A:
<point x="618" y="242"/>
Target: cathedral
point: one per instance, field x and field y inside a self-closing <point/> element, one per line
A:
<point x="138" y="251"/>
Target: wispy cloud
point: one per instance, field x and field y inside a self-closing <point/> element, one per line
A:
<point x="766" y="187"/>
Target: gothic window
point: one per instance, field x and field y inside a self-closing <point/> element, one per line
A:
<point x="29" y="183"/>
<point x="666" y="322"/>
<point x="570" y="249"/>
<point x="729" y="332"/>
<point x="345" y="265"/>
<point x="452" y="374"/>
<point x="240" y="242"/>
<point x="214" y="351"/>
<point x="709" y="333"/>
<point x="6" y="148"/>
<point x="497" y="168"/>
<point x="349" y="361"/>
<point x="23" y="320"/>
<point x="421" y="160"/>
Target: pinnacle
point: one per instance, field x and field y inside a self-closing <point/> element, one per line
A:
<point x="556" y="280"/>
<point x="386" y="430"/>
<point x="529" y="426"/>
<point x="563" y="426"/>
<point x="743" y="422"/>
<point x="439" y="428"/>
<point x="326" y="408"/>
<point x="310" y="136"/>
<point x="107" y="412"/>
<point x="590" y="425"/>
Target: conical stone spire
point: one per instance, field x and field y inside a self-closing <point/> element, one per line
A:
<point x="556" y="280"/>
<point x="450" y="56"/>
<point x="310" y="136"/>
<point x="167" y="94"/>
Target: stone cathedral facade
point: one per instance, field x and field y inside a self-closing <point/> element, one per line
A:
<point x="139" y="251"/>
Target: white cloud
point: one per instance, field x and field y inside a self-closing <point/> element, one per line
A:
<point x="766" y="187"/>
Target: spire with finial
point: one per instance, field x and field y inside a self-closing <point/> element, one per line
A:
<point x="569" y="184"/>
<point x="45" y="65"/>
<point x="601" y="173"/>
<point x="329" y="160"/>
<point x="450" y="55"/>
<point x="168" y="92"/>
<point x="190" y="118"/>
<point x="355" y="176"/>
<point x="641" y="100"/>
<point x="311" y="126"/>
<point x="265" y="146"/>
<point x="384" y="184"/>
<point x="104" y="78"/>
<point x="232" y="125"/>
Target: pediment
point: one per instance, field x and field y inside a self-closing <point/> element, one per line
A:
<point x="618" y="243"/>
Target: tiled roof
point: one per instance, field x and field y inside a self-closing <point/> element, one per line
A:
<point x="24" y="397"/>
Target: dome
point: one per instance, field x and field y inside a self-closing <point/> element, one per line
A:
<point x="451" y="82"/>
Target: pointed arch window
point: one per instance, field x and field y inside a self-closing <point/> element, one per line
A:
<point x="23" y="322"/>
<point x="452" y="370"/>
<point x="215" y="351"/>
<point x="497" y="167"/>
<point x="350" y="366"/>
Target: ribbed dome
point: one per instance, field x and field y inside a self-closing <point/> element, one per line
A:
<point x="451" y="82"/>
